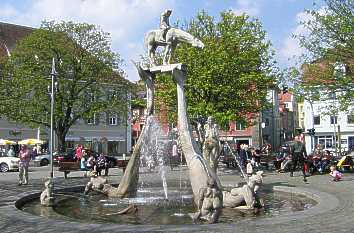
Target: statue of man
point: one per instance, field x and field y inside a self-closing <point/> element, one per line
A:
<point x="165" y="23"/>
<point x="210" y="203"/>
<point x="211" y="143"/>
<point x="246" y="194"/>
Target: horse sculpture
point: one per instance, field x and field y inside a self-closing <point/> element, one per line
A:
<point x="174" y="36"/>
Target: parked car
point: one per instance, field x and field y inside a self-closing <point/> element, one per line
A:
<point x="42" y="160"/>
<point x="68" y="156"/>
<point x="8" y="163"/>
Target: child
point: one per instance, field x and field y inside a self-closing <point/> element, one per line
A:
<point x="249" y="168"/>
<point x="335" y="174"/>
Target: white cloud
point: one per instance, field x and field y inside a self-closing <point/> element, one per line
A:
<point x="250" y="7"/>
<point x="125" y="20"/>
<point x="291" y="47"/>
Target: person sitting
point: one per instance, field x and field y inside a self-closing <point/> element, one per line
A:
<point x="325" y="160"/>
<point x="91" y="164"/>
<point x="83" y="164"/>
<point x="337" y="176"/>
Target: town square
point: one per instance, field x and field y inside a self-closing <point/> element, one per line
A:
<point x="176" y="116"/>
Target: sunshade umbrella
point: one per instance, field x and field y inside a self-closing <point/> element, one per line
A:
<point x="30" y="141"/>
<point x="4" y="142"/>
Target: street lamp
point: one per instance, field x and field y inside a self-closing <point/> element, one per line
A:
<point x="47" y="196"/>
<point x="52" y="99"/>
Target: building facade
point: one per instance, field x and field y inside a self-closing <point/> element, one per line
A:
<point x="288" y="116"/>
<point x="330" y="130"/>
<point x="109" y="134"/>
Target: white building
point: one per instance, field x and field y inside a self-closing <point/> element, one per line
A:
<point x="327" y="126"/>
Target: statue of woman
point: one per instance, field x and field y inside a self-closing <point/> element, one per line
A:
<point x="211" y="145"/>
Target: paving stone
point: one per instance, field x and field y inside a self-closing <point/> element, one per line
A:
<point x="334" y="212"/>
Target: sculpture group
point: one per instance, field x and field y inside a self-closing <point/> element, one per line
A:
<point x="208" y="193"/>
<point x="169" y="38"/>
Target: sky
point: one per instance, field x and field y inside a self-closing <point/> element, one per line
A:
<point x="128" y="20"/>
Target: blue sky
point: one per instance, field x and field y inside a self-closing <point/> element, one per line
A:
<point x="129" y="20"/>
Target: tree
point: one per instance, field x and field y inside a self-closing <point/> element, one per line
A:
<point x="89" y="78"/>
<point x="329" y="44"/>
<point x="230" y="77"/>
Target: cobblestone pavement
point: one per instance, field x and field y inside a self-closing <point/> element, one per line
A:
<point x="333" y="213"/>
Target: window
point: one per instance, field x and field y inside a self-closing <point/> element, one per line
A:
<point x="334" y="120"/>
<point x="113" y="120"/>
<point x="325" y="141"/>
<point x="92" y="120"/>
<point x="240" y="126"/>
<point x="350" y="119"/>
<point x="316" y="120"/>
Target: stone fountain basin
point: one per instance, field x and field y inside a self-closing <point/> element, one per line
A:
<point x="154" y="210"/>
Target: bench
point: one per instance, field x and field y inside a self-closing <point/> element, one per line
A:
<point x="68" y="167"/>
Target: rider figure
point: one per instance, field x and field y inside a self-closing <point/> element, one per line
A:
<point x="165" y="23"/>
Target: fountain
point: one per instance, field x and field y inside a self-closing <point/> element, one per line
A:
<point x="141" y="202"/>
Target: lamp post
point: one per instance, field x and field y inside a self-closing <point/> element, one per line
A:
<point x="52" y="99"/>
<point x="47" y="196"/>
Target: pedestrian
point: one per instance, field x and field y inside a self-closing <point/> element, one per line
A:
<point x="249" y="168"/>
<point x="34" y="153"/>
<point x="102" y="164"/>
<point x="243" y="155"/>
<point x="299" y="155"/>
<point x="337" y="176"/>
<point x="23" y="165"/>
<point x="78" y="152"/>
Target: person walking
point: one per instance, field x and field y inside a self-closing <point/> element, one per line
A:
<point x="78" y="152"/>
<point x="25" y="157"/>
<point x="299" y="155"/>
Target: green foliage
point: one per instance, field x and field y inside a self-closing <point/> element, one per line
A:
<point x="230" y="77"/>
<point x="87" y="71"/>
<point x="329" y="44"/>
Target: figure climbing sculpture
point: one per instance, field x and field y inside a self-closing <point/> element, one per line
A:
<point x="211" y="146"/>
